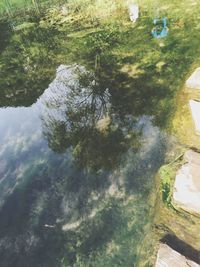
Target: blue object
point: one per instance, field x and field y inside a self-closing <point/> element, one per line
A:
<point x="156" y="32"/>
<point x="164" y="20"/>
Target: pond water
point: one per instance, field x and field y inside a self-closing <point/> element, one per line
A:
<point x="78" y="156"/>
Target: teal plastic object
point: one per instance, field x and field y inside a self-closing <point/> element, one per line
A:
<point x="156" y="32"/>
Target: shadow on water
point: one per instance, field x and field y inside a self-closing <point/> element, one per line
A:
<point x="5" y="34"/>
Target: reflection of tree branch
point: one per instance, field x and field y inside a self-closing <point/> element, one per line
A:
<point x="85" y="100"/>
<point x="75" y="121"/>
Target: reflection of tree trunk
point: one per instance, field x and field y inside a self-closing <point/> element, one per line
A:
<point x="97" y="61"/>
<point x="93" y="110"/>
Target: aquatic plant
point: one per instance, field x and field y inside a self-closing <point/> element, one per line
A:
<point x="166" y="174"/>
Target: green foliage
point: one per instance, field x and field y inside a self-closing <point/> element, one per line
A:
<point x="24" y="26"/>
<point x="167" y="174"/>
<point x="5" y="33"/>
<point x="26" y="63"/>
<point x="103" y="40"/>
<point x="9" y="6"/>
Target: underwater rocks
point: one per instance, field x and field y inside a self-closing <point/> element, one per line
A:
<point x="187" y="183"/>
<point x="195" y="109"/>
<point x="103" y="124"/>
<point x="194" y="80"/>
<point x="167" y="257"/>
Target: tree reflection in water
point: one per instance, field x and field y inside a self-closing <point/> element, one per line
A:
<point x="105" y="153"/>
<point x="77" y="112"/>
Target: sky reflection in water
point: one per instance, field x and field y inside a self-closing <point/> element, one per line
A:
<point x="60" y="161"/>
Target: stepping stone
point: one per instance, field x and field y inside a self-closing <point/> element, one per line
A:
<point x="194" y="80"/>
<point x="187" y="183"/>
<point x="195" y="109"/>
<point x="167" y="257"/>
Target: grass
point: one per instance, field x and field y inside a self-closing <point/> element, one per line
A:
<point x="167" y="184"/>
<point x="12" y="7"/>
<point x="182" y="124"/>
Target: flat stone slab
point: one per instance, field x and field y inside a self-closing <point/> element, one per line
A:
<point x="187" y="183"/>
<point x="194" y="80"/>
<point x="167" y="257"/>
<point x="195" y="109"/>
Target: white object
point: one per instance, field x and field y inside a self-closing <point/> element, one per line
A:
<point x="195" y="109"/>
<point x="194" y="80"/>
<point x="167" y="257"/>
<point x="134" y="12"/>
<point x="187" y="183"/>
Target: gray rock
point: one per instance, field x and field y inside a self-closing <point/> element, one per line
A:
<point x="187" y="183"/>
<point x="194" y="80"/>
<point x="195" y="110"/>
<point x="167" y="257"/>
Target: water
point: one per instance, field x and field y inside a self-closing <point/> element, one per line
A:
<point x="58" y="169"/>
<point x="78" y="156"/>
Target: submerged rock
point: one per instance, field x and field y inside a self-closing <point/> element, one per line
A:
<point x="103" y="124"/>
<point x="167" y="257"/>
<point x="195" y="109"/>
<point x="187" y="183"/>
<point x="194" y="80"/>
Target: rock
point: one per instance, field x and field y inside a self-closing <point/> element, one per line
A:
<point x="167" y="257"/>
<point x="103" y="124"/>
<point x="187" y="183"/>
<point x="195" y="109"/>
<point x="71" y="226"/>
<point x="194" y="80"/>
